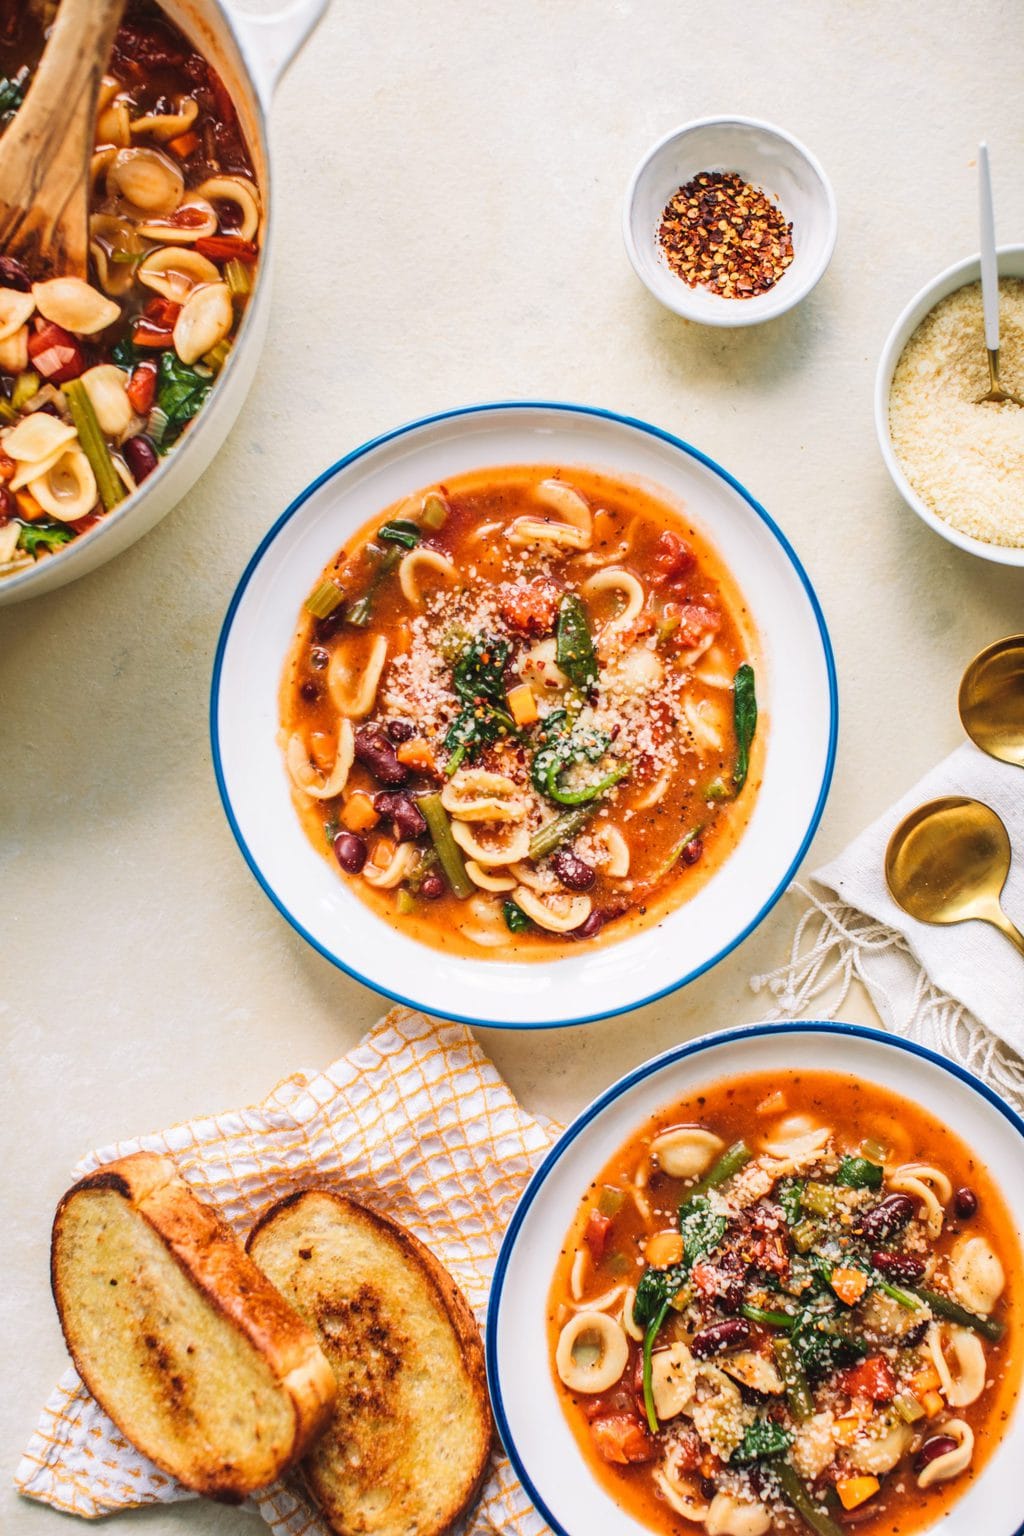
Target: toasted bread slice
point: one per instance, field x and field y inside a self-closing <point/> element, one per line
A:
<point x="178" y="1335"/>
<point x="409" y="1444"/>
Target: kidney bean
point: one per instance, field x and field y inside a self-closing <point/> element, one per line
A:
<point x="589" y="927"/>
<point x="350" y="852"/>
<point x="8" y="505"/>
<point x="432" y="886"/>
<point x="732" y="1334"/>
<point x="965" y="1202"/>
<point x="888" y="1216"/>
<point x="896" y="1265"/>
<point x="13" y="274"/>
<point x="708" y="1487"/>
<point x="932" y="1449"/>
<point x="140" y="456"/>
<point x="309" y="691"/>
<point x="407" y="820"/>
<point x="573" y="871"/>
<point x="400" y="730"/>
<point x="693" y="851"/>
<point x="375" y="751"/>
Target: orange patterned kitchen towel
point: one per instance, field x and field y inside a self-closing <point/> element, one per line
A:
<point x="415" y="1121"/>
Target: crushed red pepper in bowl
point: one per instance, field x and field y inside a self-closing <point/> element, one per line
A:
<point x="721" y="233"/>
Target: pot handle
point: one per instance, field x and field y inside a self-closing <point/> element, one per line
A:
<point x="270" y="43"/>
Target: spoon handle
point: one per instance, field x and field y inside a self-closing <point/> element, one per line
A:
<point x="998" y="918"/>
<point x="989" y="271"/>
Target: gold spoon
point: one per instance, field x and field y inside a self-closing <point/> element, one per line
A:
<point x="948" y="861"/>
<point x="997" y="392"/>
<point x="991" y="700"/>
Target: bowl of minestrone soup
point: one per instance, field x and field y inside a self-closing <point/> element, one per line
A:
<point x="524" y="713"/>
<point x="768" y="1284"/>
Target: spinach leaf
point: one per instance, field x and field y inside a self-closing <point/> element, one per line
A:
<point x="401" y="530"/>
<point x="181" y="393"/>
<point x="655" y="1289"/>
<point x="125" y="353"/>
<point x="859" y="1173"/>
<point x="762" y="1439"/>
<point x="574" y="644"/>
<point x="744" y="707"/>
<point x="478" y="678"/>
<point x="33" y="537"/>
<point x="820" y="1352"/>
<point x="702" y="1230"/>
<point x="12" y="91"/>
<point x="561" y="746"/>
<point x="516" y="920"/>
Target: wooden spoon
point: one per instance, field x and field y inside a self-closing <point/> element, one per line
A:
<point x="45" y="151"/>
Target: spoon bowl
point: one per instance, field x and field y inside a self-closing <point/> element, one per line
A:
<point x="948" y="861"/>
<point x="991" y="700"/>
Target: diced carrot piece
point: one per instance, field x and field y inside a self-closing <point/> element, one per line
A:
<point x="358" y="814"/>
<point x="522" y="704"/>
<point x="932" y="1403"/>
<point x="847" y="1428"/>
<point x="27" y="505"/>
<point x="383" y="853"/>
<point x="854" y="1491"/>
<point x="183" y="145"/>
<point x="926" y="1380"/>
<point x="417" y="753"/>
<point x="663" y="1249"/>
<point x="849" y="1285"/>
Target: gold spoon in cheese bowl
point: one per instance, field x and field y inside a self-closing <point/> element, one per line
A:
<point x="991" y="700"/>
<point x="948" y="861"/>
<point x="997" y="393"/>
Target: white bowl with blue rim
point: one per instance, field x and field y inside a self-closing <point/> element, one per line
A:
<point x="527" y="1405"/>
<point x="796" y="685"/>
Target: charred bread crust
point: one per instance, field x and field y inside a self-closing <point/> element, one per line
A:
<point x="218" y="1266"/>
<point x="452" y="1302"/>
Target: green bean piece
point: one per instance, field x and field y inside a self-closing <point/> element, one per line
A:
<point x="802" y="1500"/>
<point x="361" y="610"/>
<point x="769" y="1319"/>
<point x="798" y="1393"/>
<point x="111" y="487"/>
<point x="904" y="1298"/>
<point x="728" y="1165"/>
<point x="676" y="854"/>
<point x="944" y="1306"/>
<point x="554" y="833"/>
<point x="448" y="851"/>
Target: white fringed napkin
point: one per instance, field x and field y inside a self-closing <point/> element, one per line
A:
<point x="416" y="1122"/>
<point x="959" y="989"/>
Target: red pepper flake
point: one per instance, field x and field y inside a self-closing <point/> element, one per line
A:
<point x="721" y="233"/>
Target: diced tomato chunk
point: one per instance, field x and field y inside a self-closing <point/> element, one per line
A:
<point x="696" y="622"/>
<point x="227" y="248"/>
<point x="620" y="1438"/>
<point x="596" y="1234"/>
<point x="673" y="557"/>
<point x="872" y="1378"/>
<point x="162" y="311"/>
<point x="142" y="387"/>
<point x="146" y="334"/>
<point x="529" y="608"/>
<point x="56" y="354"/>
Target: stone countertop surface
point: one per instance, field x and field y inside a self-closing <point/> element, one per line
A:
<point x="449" y="183"/>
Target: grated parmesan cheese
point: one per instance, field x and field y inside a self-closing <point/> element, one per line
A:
<point x="965" y="460"/>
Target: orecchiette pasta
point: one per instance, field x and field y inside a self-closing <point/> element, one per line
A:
<point x="612" y="851"/>
<point x="558" y="913"/>
<point x="967" y="1385"/>
<point x="953" y="1462"/>
<point x="414" y="567"/>
<point x="488" y="881"/>
<point x="626" y="587"/>
<point x="473" y="795"/>
<point x="507" y="842"/>
<point x="592" y="1352"/>
<point x="929" y="1186"/>
<point x="399" y="867"/>
<point x="686" y="1151"/>
<point x="673" y="1380"/>
<point x="754" y="1371"/>
<point x="682" y="1496"/>
<point x="730" y="1516"/>
<point x="879" y="1447"/>
<point x="307" y="777"/>
<point x="353" y="674"/>
<point x="976" y="1275"/>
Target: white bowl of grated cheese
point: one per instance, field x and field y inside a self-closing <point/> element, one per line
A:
<point x="958" y="464"/>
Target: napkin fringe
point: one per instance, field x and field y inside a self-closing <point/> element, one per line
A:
<point x="834" y="946"/>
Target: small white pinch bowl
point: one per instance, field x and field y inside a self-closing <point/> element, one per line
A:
<point x="796" y="686"/>
<point x="1010" y="259"/>
<point x="766" y="157"/>
<point x="526" y="1402"/>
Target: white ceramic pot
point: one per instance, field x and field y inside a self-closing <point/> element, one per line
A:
<point x="251" y="53"/>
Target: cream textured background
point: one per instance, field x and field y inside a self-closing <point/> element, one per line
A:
<point x="450" y="179"/>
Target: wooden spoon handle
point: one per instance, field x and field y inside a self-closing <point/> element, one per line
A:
<point x="44" y="154"/>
